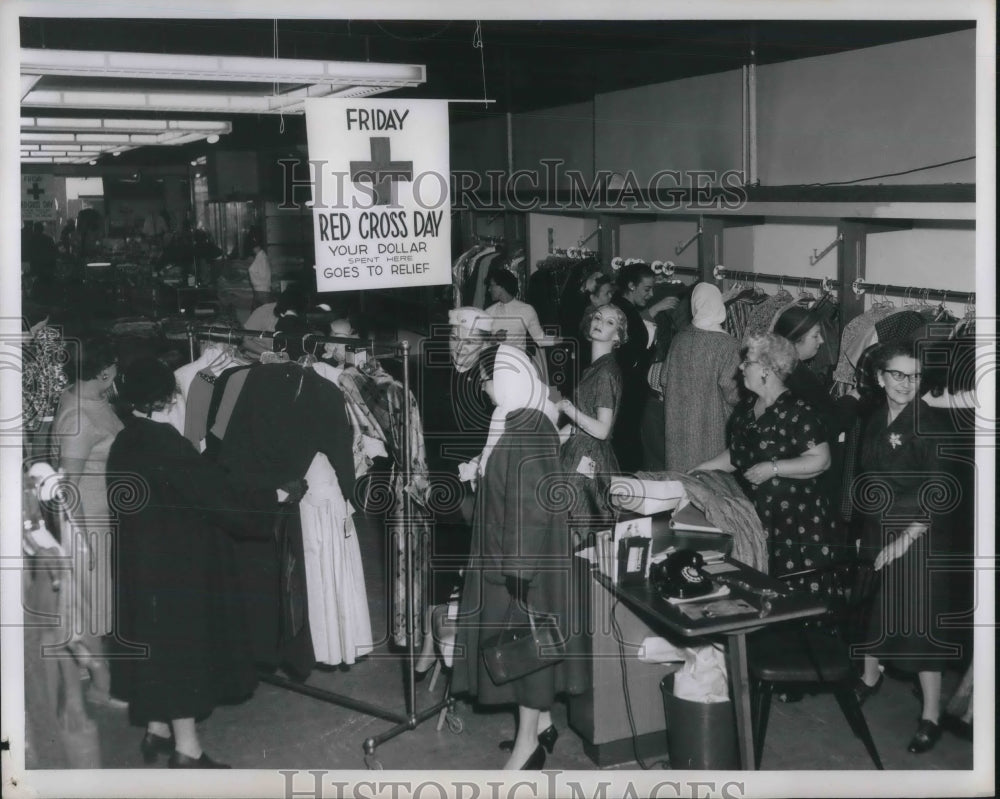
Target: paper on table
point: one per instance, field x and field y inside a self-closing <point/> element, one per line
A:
<point x="722" y="590"/>
<point x="688" y="517"/>
<point x="720" y="568"/>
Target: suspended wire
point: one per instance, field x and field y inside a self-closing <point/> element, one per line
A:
<point x="281" y="112"/>
<point x="477" y="43"/>
<point x="408" y="38"/>
<point x="895" y="174"/>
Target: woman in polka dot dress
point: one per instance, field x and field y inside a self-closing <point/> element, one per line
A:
<point x="778" y="449"/>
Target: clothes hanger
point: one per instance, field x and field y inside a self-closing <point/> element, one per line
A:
<point x="308" y="358"/>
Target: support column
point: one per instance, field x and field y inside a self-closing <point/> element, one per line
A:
<point x="710" y="246"/>
<point x="610" y="241"/>
<point x="851" y="266"/>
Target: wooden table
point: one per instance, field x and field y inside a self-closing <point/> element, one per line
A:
<point x="647" y="602"/>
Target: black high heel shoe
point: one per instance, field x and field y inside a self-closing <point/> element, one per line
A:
<point x="153" y="745"/>
<point x="927" y="735"/>
<point x="178" y="760"/>
<point x="546" y="738"/>
<point x="863" y="690"/>
<point x="536" y="761"/>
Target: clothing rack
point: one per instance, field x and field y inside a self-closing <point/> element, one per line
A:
<point x="826" y="284"/>
<point x="859" y="287"/>
<point x="410" y="719"/>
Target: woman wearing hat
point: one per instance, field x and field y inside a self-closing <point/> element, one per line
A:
<point x="804" y="328"/>
<point x="179" y="596"/>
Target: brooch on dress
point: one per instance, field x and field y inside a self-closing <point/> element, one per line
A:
<point x="895" y="440"/>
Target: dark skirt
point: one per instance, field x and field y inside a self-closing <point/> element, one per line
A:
<point x="482" y="614"/>
<point x="590" y="508"/>
<point x="905" y="627"/>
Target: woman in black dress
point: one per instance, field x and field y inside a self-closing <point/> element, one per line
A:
<point x="588" y="459"/>
<point x="635" y="286"/>
<point x="905" y="496"/>
<point x="178" y="589"/>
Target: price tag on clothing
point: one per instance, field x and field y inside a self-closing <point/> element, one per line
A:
<point x="587" y="467"/>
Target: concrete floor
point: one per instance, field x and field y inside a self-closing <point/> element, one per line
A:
<point x="277" y="728"/>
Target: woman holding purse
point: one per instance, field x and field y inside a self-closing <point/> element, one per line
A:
<point x="517" y="528"/>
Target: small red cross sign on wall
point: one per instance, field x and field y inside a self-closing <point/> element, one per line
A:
<point x="35" y="191"/>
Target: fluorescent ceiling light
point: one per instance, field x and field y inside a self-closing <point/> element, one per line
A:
<point x="119" y="133"/>
<point x="307" y="78"/>
<point x="68" y="148"/>
<point x="124" y="125"/>
<point x="55" y="159"/>
<point x="159" y="66"/>
<point x="289" y="102"/>
<point x="28" y="83"/>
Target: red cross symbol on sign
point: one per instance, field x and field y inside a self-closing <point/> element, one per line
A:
<point x="35" y="191"/>
<point x="381" y="172"/>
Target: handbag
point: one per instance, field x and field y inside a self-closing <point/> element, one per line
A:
<point x="522" y="649"/>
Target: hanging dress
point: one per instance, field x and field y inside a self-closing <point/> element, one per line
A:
<point x="339" y="620"/>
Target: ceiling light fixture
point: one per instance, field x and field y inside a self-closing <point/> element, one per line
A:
<point x="162" y="66"/>
<point x="289" y="102"/>
<point x="306" y="78"/>
<point x="213" y="138"/>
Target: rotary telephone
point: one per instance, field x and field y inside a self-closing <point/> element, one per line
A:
<point x="681" y="575"/>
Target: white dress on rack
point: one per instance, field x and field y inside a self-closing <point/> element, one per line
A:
<point x="339" y="621"/>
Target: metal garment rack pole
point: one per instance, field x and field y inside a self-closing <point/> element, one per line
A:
<point x="410" y="718"/>
<point x="750" y="277"/>
<point x="861" y="286"/>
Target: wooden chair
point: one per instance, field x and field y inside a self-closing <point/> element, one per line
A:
<point x="815" y="653"/>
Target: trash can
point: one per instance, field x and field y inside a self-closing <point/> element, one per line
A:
<point x="700" y="735"/>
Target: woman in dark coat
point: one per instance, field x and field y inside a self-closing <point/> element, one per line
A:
<point x="516" y="531"/>
<point x="178" y="589"/>
<point x="907" y="499"/>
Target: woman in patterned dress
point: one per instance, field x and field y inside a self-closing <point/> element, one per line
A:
<point x="587" y="457"/>
<point x="779" y="450"/>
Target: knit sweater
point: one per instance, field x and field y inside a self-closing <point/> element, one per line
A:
<point x="700" y="388"/>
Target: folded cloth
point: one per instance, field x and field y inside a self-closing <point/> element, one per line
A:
<point x="720" y="498"/>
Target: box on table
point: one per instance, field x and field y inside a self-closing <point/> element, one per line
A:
<point x="646" y="497"/>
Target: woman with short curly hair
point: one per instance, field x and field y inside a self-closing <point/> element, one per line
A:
<point x="778" y="450"/>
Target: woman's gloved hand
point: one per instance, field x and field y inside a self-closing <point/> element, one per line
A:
<point x="293" y="491"/>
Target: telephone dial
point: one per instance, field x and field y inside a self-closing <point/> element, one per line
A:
<point x="681" y="575"/>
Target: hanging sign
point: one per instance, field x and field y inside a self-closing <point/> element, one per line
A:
<point x="381" y="193"/>
<point x="38" y="197"/>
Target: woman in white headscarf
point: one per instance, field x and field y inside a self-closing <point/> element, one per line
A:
<point x="520" y="556"/>
<point x="515" y="384"/>
<point x="700" y="383"/>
